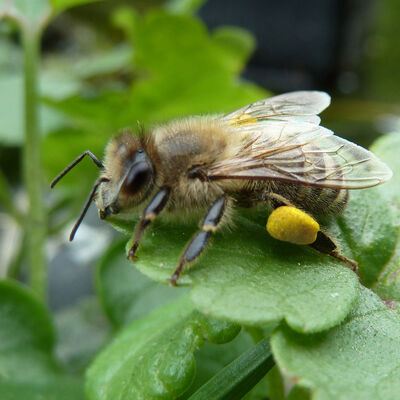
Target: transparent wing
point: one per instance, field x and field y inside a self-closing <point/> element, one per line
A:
<point x="300" y="152"/>
<point x="299" y="106"/>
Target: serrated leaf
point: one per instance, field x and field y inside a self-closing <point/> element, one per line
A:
<point x="125" y="293"/>
<point x="250" y="278"/>
<point x="359" y="359"/>
<point x="153" y="357"/>
<point x="27" y="366"/>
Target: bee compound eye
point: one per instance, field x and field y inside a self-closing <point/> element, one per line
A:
<point x="137" y="178"/>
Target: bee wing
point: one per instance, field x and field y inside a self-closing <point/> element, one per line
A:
<point x="302" y="153"/>
<point x="300" y="106"/>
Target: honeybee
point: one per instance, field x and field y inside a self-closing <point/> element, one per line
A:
<point x="272" y="151"/>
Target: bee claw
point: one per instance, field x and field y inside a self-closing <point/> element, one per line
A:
<point x="173" y="281"/>
<point x="132" y="256"/>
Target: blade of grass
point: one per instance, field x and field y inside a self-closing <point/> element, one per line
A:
<point x="240" y="376"/>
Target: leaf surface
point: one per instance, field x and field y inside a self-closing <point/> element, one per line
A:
<point x="250" y="278"/>
<point x="27" y="366"/>
<point x="152" y="358"/>
<point x="358" y="359"/>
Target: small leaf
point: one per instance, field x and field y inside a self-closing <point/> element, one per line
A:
<point x="126" y="294"/>
<point x="359" y="359"/>
<point x="240" y="376"/>
<point x="27" y="368"/>
<point x="153" y="357"/>
<point x="250" y="278"/>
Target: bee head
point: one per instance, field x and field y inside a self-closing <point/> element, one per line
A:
<point x="131" y="176"/>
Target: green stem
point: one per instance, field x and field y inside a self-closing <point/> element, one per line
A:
<point x="36" y="218"/>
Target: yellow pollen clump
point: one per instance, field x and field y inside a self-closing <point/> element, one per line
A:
<point x="290" y="224"/>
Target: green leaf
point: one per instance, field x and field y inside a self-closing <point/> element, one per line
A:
<point x="153" y="357"/>
<point x="126" y="294"/>
<point x="237" y="45"/>
<point x="360" y="359"/>
<point x="236" y="379"/>
<point x="367" y="231"/>
<point x="250" y="278"/>
<point x="387" y="148"/>
<point x="27" y="368"/>
<point x="62" y="5"/>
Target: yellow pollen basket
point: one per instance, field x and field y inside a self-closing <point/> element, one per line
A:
<point x="290" y="224"/>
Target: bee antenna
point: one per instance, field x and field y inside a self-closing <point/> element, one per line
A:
<point x="86" y="207"/>
<point x="72" y="165"/>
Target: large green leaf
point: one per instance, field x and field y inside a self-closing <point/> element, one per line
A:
<point x="127" y="295"/>
<point x="248" y="277"/>
<point x="359" y="359"/>
<point x="27" y="366"/>
<point x="152" y="358"/>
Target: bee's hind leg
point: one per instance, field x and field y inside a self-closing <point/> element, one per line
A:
<point x="200" y="241"/>
<point x="325" y="244"/>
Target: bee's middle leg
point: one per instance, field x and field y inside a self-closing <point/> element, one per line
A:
<point x="200" y="241"/>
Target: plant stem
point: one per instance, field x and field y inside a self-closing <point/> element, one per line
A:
<point x="36" y="219"/>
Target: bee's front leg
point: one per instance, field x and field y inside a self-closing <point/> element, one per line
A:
<point x="200" y="241"/>
<point x="156" y="205"/>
